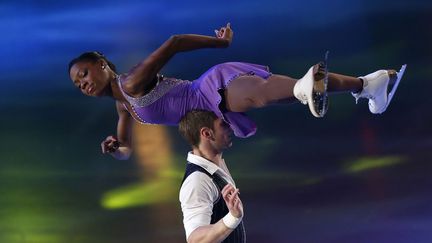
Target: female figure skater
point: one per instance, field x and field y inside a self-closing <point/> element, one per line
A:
<point x="227" y="89"/>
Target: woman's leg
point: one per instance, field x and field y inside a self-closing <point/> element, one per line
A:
<point x="248" y="92"/>
<point x="343" y="83"/>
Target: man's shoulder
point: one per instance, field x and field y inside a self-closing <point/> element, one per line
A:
<point x="197" y="178"/>
<point x="198" y="182"/>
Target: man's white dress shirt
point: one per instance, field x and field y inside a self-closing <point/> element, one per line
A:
<point x="198" y="193"/>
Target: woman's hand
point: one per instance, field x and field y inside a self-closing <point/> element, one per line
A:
<point x="225" y="33"/>
<point x="232" y="200"/>
<point x="117" y="150"/>
<point x="110" y="145"/>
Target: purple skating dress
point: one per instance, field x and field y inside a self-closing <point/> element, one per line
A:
<point x="172" y="98"/>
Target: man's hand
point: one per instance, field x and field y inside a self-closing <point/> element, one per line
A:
<point x="225" y="33"/>
<point x="232" y="199"/>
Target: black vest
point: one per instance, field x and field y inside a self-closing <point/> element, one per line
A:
<point x="220" y="208"/>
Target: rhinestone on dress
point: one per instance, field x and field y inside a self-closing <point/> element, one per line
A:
<point x="162" y="87"/>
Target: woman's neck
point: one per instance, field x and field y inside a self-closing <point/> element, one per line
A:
<point x="114" y="88"/>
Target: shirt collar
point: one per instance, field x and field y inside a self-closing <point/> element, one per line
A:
<point x="209" y="166"/>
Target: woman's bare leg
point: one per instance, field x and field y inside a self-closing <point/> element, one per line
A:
<point x="247" y="92"/>
<point x="343" y="83"/>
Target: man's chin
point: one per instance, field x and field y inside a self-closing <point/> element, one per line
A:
<point x="227" y="145"/>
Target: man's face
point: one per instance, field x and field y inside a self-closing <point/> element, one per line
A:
<point x="222" y="134"/>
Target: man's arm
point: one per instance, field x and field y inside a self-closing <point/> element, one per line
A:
<point x="225" y="226"/>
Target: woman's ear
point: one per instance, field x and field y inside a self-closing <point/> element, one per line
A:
<point x="102" y="64"/>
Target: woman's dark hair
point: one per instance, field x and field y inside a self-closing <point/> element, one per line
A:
<point x="92" y="56"/>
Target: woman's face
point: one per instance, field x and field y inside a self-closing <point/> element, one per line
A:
<point x="92" y="78"/>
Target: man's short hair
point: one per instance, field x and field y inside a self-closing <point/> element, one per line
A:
<point x="191" y="124"/>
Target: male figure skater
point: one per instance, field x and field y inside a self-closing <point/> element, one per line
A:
<point x="212" y="209"/>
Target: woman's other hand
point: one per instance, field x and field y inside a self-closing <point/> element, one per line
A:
<point x="110" y="145"/>
<point x="225" y="33"/>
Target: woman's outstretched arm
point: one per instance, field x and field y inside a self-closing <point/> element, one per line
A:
<point x="147" y="70"/>
<point x="120" y="147"/>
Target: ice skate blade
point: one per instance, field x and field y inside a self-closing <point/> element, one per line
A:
<point x="311" y="89"/>
<point x="319" y="104"/>
<point x="395" y="86"/>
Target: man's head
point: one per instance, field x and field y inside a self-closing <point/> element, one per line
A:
<point x="200" y="127"/>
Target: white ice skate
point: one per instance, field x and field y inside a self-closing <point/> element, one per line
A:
<point x="312" y="88"/>
<point x="375" y="87"/>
